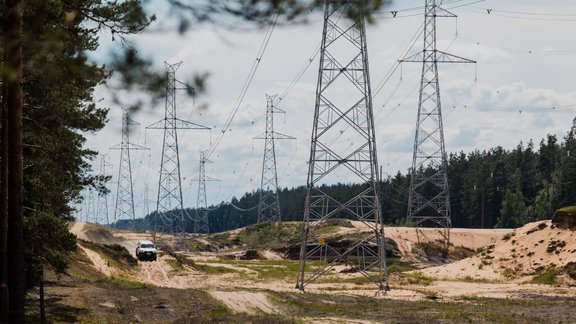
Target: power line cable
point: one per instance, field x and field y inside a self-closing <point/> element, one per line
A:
<point x="526" y="15"/>
<point x="395" y="14"/>
<point x="246" y="86"/>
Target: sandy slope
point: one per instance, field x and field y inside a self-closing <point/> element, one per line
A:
<point x="528" y="249"/>
<point x="246" y="302"/>
<point x="406" y="237"/>
<point x="95" y="233"/>
<point x="470" y="238"/>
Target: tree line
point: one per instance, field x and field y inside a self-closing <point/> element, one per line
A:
<point x="495" y="188"/>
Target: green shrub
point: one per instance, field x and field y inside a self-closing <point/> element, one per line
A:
<point x="547" y="277"/>
<point x="508" y="236"/>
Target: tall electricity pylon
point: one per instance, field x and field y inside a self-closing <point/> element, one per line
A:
<point x="124" y="193"/>
<point x="429" y="199"/>
<point x="269" y="204"/>
<point x="343" y="148"/>
<point x="201" y="224"/>
<point x="103" y="196"/>
<point x="169" y="208"/>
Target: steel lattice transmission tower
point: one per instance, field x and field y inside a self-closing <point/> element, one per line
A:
<point x="169" y="208"/>
<point x="90" y="207"/>
<point x="269" y="203"/>
<point x="146" y="202"/>
<point x="124" y="193"/>
<point x="429" y="199"/>
<point x="103" y="197"/>
<point x="343" y="149"/>
<point x="201" y="224"/>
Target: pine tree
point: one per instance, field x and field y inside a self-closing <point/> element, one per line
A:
<point x="53" y="92"/>
<point x="567" y="170"/>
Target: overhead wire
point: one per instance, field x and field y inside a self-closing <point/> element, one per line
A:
<point x="243" y="209"/>
<point x="526" y="109"/>
<point x="240" y="177"/>
<point x="395" y="14"/>
<point x="246" y="85"/>
<point x="526" y="15"/>
<point x="398" y="63"/>
<point x="299" y="74"/>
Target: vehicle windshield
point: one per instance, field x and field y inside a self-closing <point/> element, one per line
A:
<point x="147" y="246"/>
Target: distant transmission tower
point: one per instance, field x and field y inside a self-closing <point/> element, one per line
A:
<point x="146" y="204"/>
<point x="169" y="208"/>
<point x="201" y="224"/>
<point x="343" y="148"/>
<point x="90" y="207"/>
<point x="429" y="199"/>
<point x="124" y="193"/>
<point x="269" y="204"/>
<point x="103" y="197"/>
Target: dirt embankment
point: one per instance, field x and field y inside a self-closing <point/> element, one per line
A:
<point x="101" y="235"/>
<point x="516" y="255"/>
<point x="469" y="238"/>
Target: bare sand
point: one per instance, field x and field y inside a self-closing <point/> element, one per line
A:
<point x="246" y="301"/>
<point x="526" y="250"/>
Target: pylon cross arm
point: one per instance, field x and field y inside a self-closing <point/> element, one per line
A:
<point x="441" y="57"/>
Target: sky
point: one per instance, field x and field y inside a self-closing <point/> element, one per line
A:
<point x="522" y="88"/>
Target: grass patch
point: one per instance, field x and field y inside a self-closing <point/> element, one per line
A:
<point x="396" y="266"/>
<point x="328" y="229"/>
<point x="461" y="252"/>
<point x="263" y="235"/>
<point x="128" y="283"/>
<point x="214" y="269"/>
<point x="115" y="255"/>
<point x="474" y="280"/>
<point x="508" y="236"/>
<point x="359" y="280"/>
<point x="428" y="294"/>
<point x="471" y="309"/>
<point x="415" y="278"/>
<point x="509" y="273"/>
<point x="198" y="246"/>
<point x="175" y="265"/>
<point x="547" y="277"/>
<point x="80" y="267"/>
<point x="183" y="260"/>
<point x="540" y="227"/>
<point x="266" y="269"/>
<point x="569" y="209"/>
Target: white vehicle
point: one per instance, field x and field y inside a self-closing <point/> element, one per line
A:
<point x="146" y="251"/>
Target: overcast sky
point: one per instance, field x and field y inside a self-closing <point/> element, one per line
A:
<point x="522" y="88"/>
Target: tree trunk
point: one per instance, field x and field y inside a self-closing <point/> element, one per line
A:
<point x="13" y="79"/>
<point x="4" y="213"/>
<point x="42" y="304"/>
